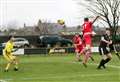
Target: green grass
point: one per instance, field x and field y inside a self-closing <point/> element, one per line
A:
<point x="37" y="68"/>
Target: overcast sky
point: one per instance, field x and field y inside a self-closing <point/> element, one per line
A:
<point x="29" y="11"/>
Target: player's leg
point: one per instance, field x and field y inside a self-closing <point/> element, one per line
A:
<point x="15" y="62"/>
<point x="78" y="54"/>
<point x="102" y="62"/>
<point x="88" y="43"/>
<point x="104" y="57"/>
<point x="11" y="60"/>
<point x="109" y="57"/>
<point x="85" y="61"/>
<point x="92" y="58"/>
<point x="7" y="67"/>
<point x="87" y="54"/>
<point x="78" y="57"/>
<point x="7" y="58"/>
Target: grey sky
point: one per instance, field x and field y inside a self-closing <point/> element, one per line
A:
<point x="29" y="11"/>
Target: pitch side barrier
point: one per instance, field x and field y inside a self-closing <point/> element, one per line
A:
<point x="47" y="51"/>
<point x="60" y="50"/>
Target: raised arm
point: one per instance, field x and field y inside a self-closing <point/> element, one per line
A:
<point x="95" y="19"/>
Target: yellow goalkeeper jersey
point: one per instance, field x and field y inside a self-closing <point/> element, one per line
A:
<point x="9" y="47"/>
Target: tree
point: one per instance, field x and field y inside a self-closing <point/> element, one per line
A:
<point x="108" y="10"/>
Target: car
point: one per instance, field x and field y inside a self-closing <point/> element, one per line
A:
<point x="19" y="42"/>
<point x="52" y="40"/>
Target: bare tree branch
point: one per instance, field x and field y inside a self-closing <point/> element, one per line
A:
<point x="109" y="10"/>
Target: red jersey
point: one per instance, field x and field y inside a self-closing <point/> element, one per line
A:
<point x="87" y="28"/>
<point x="77" y="40"/>
<point x="78" y="44"/>
<point x="87" y="32"/>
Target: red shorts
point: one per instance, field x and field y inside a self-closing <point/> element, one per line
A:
<point x="87" y="40"/>
<point x="79" y="49"/>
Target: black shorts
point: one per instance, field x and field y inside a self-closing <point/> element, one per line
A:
<point x="104" y="50"/>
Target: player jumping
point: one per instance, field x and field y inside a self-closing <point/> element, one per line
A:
<point x="7" y="53"/>
<point x="87" y="38"/>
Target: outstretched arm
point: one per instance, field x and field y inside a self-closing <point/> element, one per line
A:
<point x="95" y="19"/>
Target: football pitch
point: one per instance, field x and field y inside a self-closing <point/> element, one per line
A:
<point x="36" y="68"/>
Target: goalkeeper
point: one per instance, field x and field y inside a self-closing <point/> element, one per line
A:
<point x="7" y="53"/>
